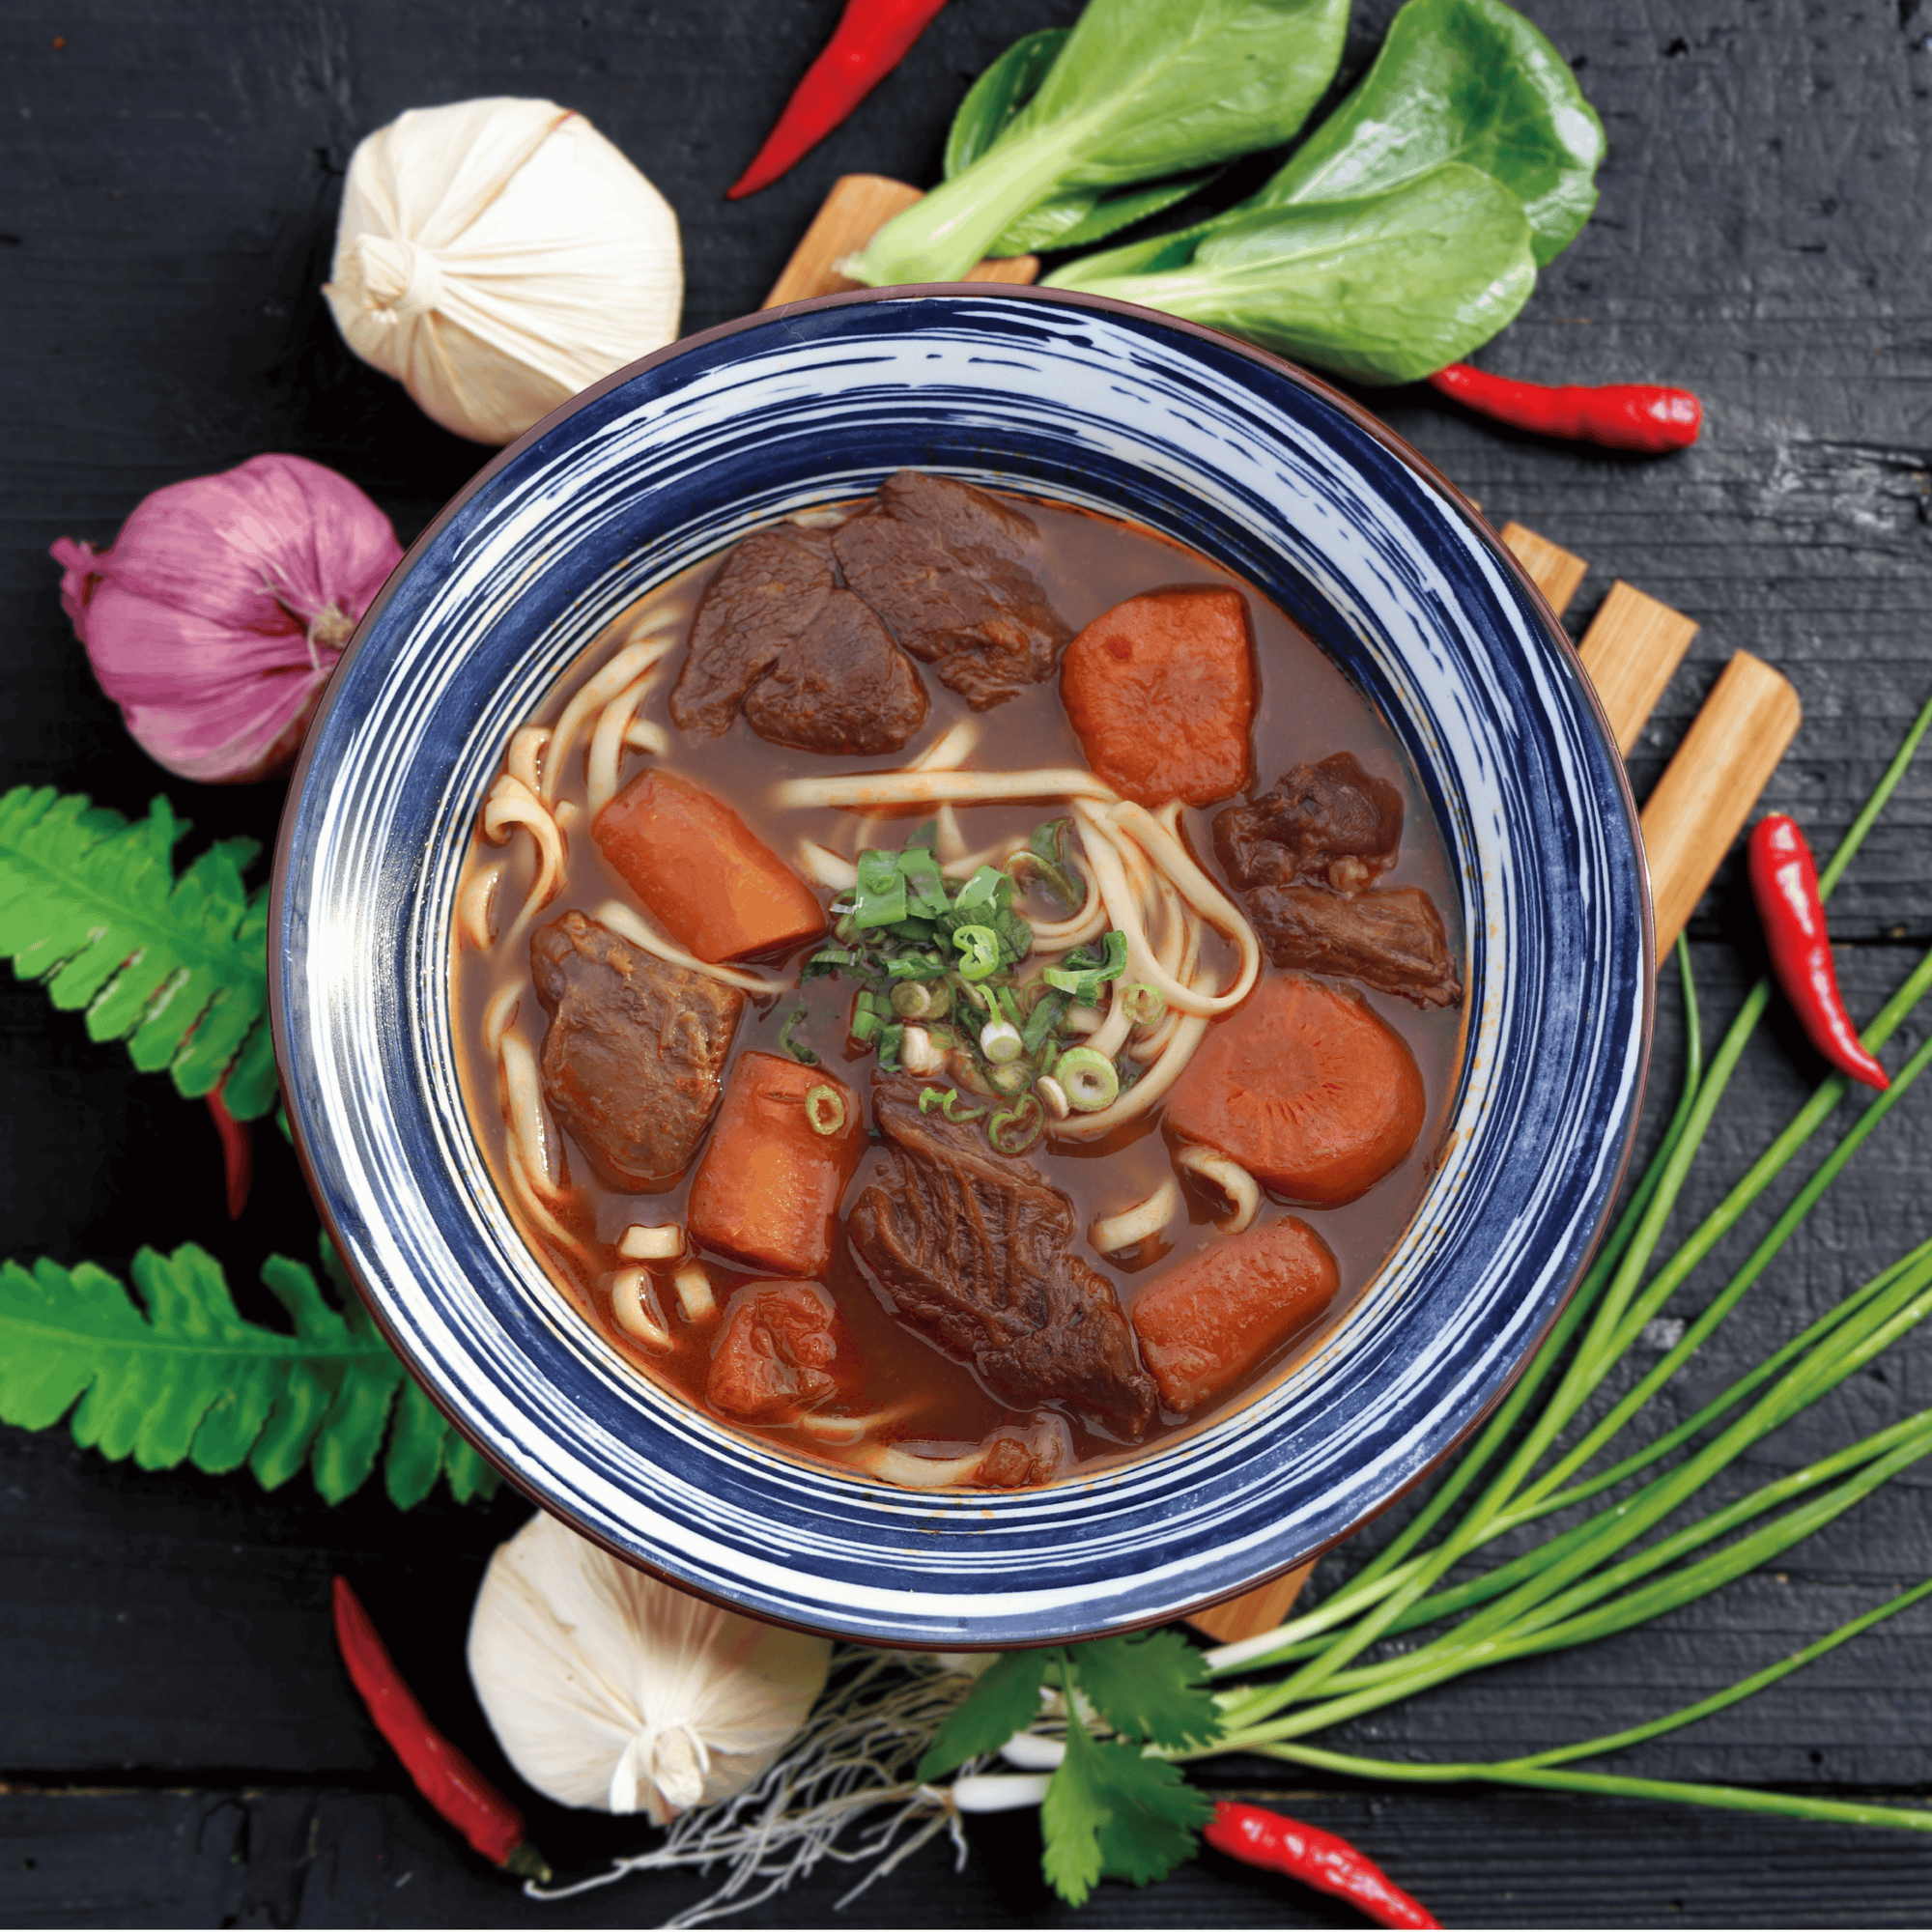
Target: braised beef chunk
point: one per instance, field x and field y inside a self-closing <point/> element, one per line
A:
<point x="974" y="1250"/>
<point x="1020" y="1456"/>
<point x="635" y="1054"/>
<point x="948" y="567"/>
<point x="841" y="686"/>
<point x="1330" y="822"/>
<point x="769" y="1364"/>
<point x="763" y="599"/>
<point x="1392" y="941"/>
<point x="1310" y="849"/>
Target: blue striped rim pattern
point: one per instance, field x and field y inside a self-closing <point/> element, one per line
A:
<point x="1089" y="403"/>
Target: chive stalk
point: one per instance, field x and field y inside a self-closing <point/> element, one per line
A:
<point x="1630" y="1559"/>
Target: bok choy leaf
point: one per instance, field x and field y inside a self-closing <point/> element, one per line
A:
<point x="1138" y="91"/>
<point x="1460" y="80"/>
<point x="1386" y="288"/>
<point x="1078" y="217"/>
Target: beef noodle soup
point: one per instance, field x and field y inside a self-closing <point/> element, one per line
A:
<point x="958" y="986"/>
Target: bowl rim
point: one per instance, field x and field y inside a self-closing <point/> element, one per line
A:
<point x="1364" y="421"/>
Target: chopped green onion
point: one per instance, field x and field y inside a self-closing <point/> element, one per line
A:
<point x="1082" y="974"/>
<point x="825" y="1110"/>
<point x="954" y="1111"/>
<point x="980" y="952"/>
<point x="1044" y="862"/>
<point x="800" y="1052"/>
<point x="980" y="889"/>
<point x="1012" y="1076"/>
<point x="1013" y="1129"/>
<point x="879" y="898"/>
<point x="921" y="999"/>
<point x="930" y="1096"/>
<point x="915" y="966"/>
<point x="1089" y="1079"/>
<point x="865" y="1021"/>
<point x="1141" y="1003"/>
<point x="889" y="1036"/>
<point x="1043" y="1020"/>
<point x="927" y="836"/>
<point x="1005" y="1004"/>
<point x="1000" y="1042"/>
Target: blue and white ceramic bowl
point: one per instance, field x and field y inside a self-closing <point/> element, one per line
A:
<point x="1086" y="402"/>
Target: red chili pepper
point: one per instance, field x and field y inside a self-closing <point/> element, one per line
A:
<point x="1624" y="415"/>
<point x="871" y="37"/>
<point x="1276" y="1843"/>
<point x="237" y="1152"/>
<point x="460" y="1792"/>
<point x="1785" y="884"/>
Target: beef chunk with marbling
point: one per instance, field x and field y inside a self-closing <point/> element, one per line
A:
<point x="950" y="570"/>
<point x="974" y="1250"/>
<point x="634" y="1058"/>
<point x="1329" y="822"/>
<point x="764" y="597"/>
<point x="1391" y="940"/>
<point x="1310" y="850"/>
<point x="842" y="685"/>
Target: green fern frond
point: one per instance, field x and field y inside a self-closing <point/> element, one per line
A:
<point x="181" y="1377"/>
<point x="176" y="967"/>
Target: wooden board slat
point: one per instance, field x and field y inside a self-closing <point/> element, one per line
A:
<point x="1554" y="571"/>
<point x="1701" y="802"/>
<point x="1632" y="650"/>
<point x="1262" y="1608"/>
<point x="858" y="207"/>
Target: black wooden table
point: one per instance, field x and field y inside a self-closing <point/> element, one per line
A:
<point x="177" y="1741"/>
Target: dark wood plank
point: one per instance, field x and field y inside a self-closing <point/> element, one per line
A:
<point x="345" y="1857"/>
<point x="170" y="177"/>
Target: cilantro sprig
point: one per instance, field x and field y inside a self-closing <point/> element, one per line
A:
<point x="1111" y="1810"/>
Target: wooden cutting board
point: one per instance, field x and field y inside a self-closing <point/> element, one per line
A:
<point x="1630" y="651"/>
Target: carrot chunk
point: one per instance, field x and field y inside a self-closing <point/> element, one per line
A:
<point x="1161" y="691"/>
<point x="770" y="1362"/>
<point x="767" y="1191"/>
<point x="1307" y="1087"/>
<point x="702" y="873"/>
<point x="1204" y="1324"/>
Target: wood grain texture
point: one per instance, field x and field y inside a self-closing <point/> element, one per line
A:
<point x="168" y="183"/>
<point x="1632" y="651"/>
<point x="1708" y="789"/>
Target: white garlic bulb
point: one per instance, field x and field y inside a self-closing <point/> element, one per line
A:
<point x="610" y="1690"/>
<point x="496" y="257"/>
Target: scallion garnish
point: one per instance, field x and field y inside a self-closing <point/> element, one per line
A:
<point x="926" y="948"/>
<point x="798" y="1050"/>
<point x="1083" y="973"/>
<point x="979" y="951"/>
<point x="979" y="889"/>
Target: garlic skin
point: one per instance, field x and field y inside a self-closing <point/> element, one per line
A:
<point x="497" y="256"/>
<point x="612" y="1692"/>
<point x="216" y="615"/>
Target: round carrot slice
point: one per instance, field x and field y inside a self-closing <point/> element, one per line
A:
<point x="1161" y="691"/>
<point x="1308" y="1087"/>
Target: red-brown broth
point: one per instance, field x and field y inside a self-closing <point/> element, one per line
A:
<point x="1307" y="710"/>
